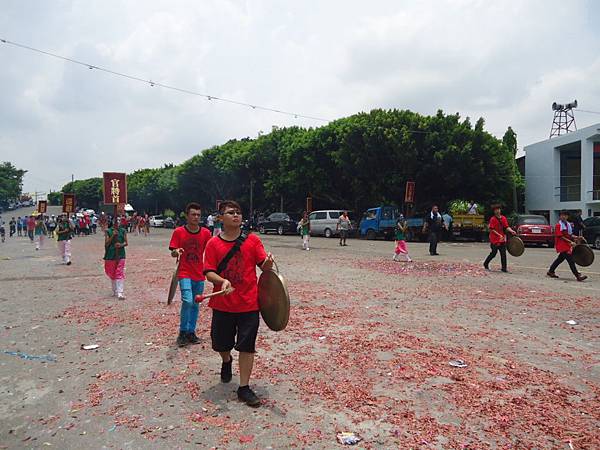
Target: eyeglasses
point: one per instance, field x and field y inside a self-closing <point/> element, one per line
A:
<point x="233" y="213"/>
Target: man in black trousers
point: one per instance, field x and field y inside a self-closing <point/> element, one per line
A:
<point x="433" y="224"/>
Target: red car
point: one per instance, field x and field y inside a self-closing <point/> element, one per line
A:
<point x="535" y="230"/>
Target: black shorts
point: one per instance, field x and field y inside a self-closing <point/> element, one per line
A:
<point x="234" y="330"/>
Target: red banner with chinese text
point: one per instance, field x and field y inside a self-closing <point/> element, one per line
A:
<point x="409" y="193"/>
<point x="115" y="188"/>
<point x="42" y="206"/>
<point x="68" y="203"/>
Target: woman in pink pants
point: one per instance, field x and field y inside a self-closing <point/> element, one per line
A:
<point x="115" y="241"/>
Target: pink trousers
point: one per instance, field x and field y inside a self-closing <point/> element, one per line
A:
<point x="401" y="248"/>
<point x="115" y="269"/>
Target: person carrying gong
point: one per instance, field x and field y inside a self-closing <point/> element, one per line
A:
<point x="230" y="262"/>
<point x="498" y="227"/>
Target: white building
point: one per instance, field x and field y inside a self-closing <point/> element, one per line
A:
<point x="564" y="173"/>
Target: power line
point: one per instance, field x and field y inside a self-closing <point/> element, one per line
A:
<point x="162" y="85"/>
<point x="586" y="111"/>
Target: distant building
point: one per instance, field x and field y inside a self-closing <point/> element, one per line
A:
<point x="564" y="173"/>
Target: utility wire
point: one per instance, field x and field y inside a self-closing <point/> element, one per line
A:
<point x="162" y="85"/>
<point x="586" y="111"/>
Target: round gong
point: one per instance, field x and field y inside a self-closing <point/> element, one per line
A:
<point x="273" y="300"/>
<point x="583" y="255"/>
<point x="515" y="246"/>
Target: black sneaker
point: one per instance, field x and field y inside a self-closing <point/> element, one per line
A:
<point x="246" y="395"/>
<point x="486" y="267"/>
<point x="182" y="339"/>
<point x="226" y="370"/>
<point x="192" y="338"/>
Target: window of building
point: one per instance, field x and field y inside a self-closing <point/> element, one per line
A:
<point x="570" y="172"/>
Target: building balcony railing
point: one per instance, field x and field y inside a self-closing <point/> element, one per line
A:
<point x="568" y="193"/>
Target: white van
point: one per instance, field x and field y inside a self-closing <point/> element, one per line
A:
<point x="324" y="223"/>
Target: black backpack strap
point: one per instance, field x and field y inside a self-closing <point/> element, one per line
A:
<point x="236" y="247"/>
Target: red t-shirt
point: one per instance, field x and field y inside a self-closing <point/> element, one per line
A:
<point x="193" y="244"/>
<point x="241" y="272"/>
<point x="559" y="243"/>
<point x="498" y="225"/>
<point x="30" y="223"/>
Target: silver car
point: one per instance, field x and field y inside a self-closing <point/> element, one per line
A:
<point x="324" y="223"/>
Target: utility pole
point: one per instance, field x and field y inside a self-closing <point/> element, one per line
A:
<point x="281" y="204"/>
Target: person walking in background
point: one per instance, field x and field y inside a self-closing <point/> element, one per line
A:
<point x="578" y="225"/>
<point x="115" y="241"/>
<point x="12" y="225"/>
<point x="498" y="227"/>
<point x="64" y="234"/>
<point x="434" y="225"/>
<point x="19" y="226"/>
<point x="564" y="241"/>
<point x="51" y="225"/>
<point x="30" y="227"/>
<point x="343" y="226"/>
<point x="210" y="223"/>
<point x="40" y="232"/>
<point x="447" y="218"/>
<point x="472" y="208"/>
<point x="103" y="222"/>
<point x="304" y="228"/>
<point x="94" y="220"/>
<point x="400" y="242"/>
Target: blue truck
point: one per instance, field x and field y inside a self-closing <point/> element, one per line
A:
<point x="379" y="222"/>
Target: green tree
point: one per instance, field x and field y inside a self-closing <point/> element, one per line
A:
<point x="11" y="182"/>
<point x="88" y="192"/>
<point x="55" y="198"/>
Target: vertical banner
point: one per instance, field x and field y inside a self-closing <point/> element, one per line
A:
<point x="42" y="206"/>
<point x="68" y="203"/>
<point x="409" y="192"/>
<point x="218" y="204"/>
<point x="115" y="188"/>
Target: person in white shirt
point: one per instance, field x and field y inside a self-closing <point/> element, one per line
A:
<point x="210" y="223"/>
<point x="473" y="208"/>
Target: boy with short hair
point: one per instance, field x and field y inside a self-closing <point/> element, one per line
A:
<point x="498" y="227"/>
<point x="564" y="241"/>
<point x="235" y="317"/>
<point x="188" y="242"/>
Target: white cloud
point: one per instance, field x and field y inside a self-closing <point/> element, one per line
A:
<point x="506" y="61"/>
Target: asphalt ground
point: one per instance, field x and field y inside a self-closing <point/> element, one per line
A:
<point x="367" y="350"/>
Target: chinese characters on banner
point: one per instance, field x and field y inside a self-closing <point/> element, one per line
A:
<point x="68" y="203"/>
<point x="409" y="193"/>
<point x="42" y="206"/>
<point x="115" y="188"/>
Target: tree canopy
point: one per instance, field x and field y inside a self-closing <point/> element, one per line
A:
<point x="11" y="182"/>
<point x="354" y="162"/>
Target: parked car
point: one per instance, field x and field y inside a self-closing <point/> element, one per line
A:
<point x="324" y="223"/>
<point x="169" y="223"/>
<point x="157" y="221"/>
<point x="282" y="223"/>
<point x="533" y="229"/>
<point x="592" y="231"/>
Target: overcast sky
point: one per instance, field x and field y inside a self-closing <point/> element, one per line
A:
<point x="504" y="60"/>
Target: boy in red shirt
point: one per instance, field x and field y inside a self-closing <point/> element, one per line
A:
<point x="235" y="317"/>
<point x="498" y="227"/>
<point x="188" y="242"/>
<point x="564" y="241"/>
